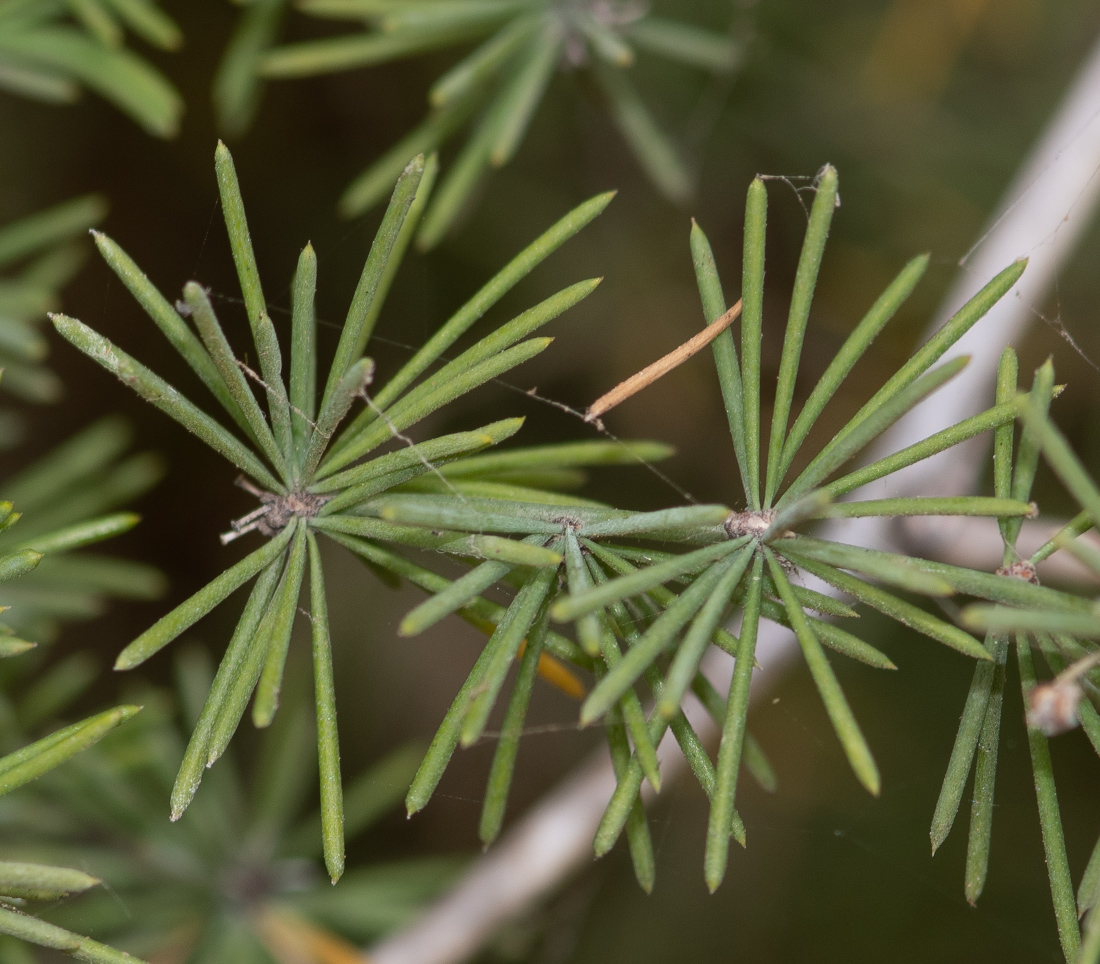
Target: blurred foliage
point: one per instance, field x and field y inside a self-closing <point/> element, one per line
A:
<point x="496" y="89"/>
<point x="238" y="877"/>
<point x="49" y="49"/>
<point x="55" y="690"/>
<point x="65" y="497"/>
<point x="41" y="255"/>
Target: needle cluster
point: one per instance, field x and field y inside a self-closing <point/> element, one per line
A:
<point x="494" y="91"/>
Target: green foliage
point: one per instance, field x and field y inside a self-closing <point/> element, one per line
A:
<point x="1064" y="630"/>
<point x="239" y="876"/>
<point x="23" y="551"/>
<point x="49" y="49"/>
<point x="65" y="501"/>
<point x="315" y="469"/>
<point x="494" y="90"/>
<point x="38" y="255"/>
<point x="647" y="616"/>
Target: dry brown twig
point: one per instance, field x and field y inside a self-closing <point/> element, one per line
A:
<point x="662" y="366"/>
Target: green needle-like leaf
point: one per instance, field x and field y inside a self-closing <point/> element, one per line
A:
<point x="1003" y="440"/>
<point x="1027" y="461"/>
<point x="564" y="456"/>
<point x="32" y="761"/>
<point x="1063" y="461"/>
<point x="854" y="347"/>
<point x="985" y="775"/>
<point x="847" y="444"/>
<point x="263" y="331"/>
<point x="1090" y="947"/>
<point x="1008" y="619"/>
<point x="454" y="597"/>
<point x="836" y="705"/>
<point x="350" y="386"/>
<point x="243" y="685"/>
<point x="684" y="43"/>
<point x="196" y="756"/>
<point x="42" y="882"/>
<point x="10" y="646"/>
<point x="328" y="738"/>
<point x="752" y="319"/>
<point x="189" y="612"/>
<point x="376" y="182"/>
<point x="15" y="564"/>
<point x="506" y="279"/>
<point x="973" y="505"/>
<point x="118" y="75"/>
<point x="448" y="514"/>
<point x="167" y="319"/>
<point x="354" y="334"/>
<point x="725" y="354"/>
<point x="35" y="931"/>
<point x="434" y="15"/>
<point x="690" y="518"/>
<point x="503" y="645"/>
<point x="642" y="580"/>
<point x="163" y="396"/>
<point x="284" y="609"/>
<point x="809" y="263"/>
<point x="504" y="759"/>
<point x="427" y="398"/>
<point x="45" y="228"/>
<point x="598" y="639"/>
<point x="1089" y="891"/>
<point x="368" y="797"/>
<point x="966" y="743"/>
<point x="432" y="455"/>
<point x="900" y="571"/>
<point x="225" y="361"/>
<point x="733" y="735"/>
<point x="348" y="52"/>
<point x="932" y="350"/>
<point x="487" y="351"/>
<point x="515" y="553"/>
<point x="1050" y="819"/>
<point x="993" y="418"/>
<point x="685" y="663"/>
<point x="828" y="634"/>
<point x="73" y="463"/>
<point x="303" y="349"/>
<point x="149" y="22"/>
<point x="607" y="44"/>
<point x="897" y="609"/>
<point x="637" y="826"/>
<point x="942" y="579"/>
<point x="464" y="175"/>
<point x="653" y="642"/>
<point x="445" y="741"/>
<point x="1076" y="526"/>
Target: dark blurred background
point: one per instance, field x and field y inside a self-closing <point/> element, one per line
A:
<point x="927" y="108"/>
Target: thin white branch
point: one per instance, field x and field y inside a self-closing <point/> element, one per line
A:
<point x="1045" y="211"/>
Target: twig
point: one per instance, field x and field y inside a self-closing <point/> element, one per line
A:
<point x="662" y="366"/>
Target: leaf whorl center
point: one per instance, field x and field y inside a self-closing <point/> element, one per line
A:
<point x="274" y="513"/>
<point x="749" y="523"/>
